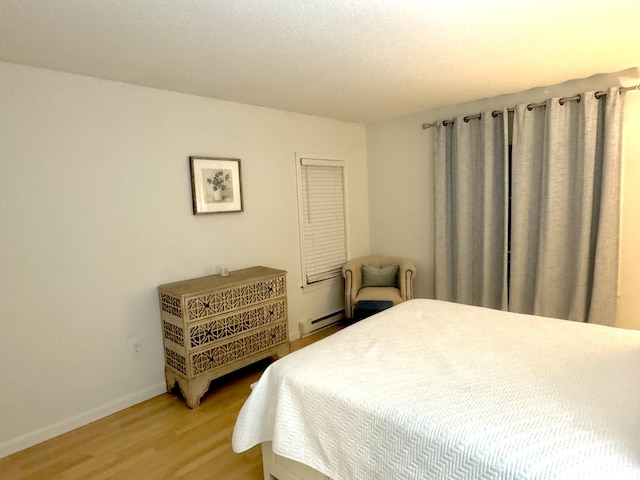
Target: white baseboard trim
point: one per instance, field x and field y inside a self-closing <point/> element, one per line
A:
<point x="38" y="436"/>
<point x="312" y="326"/>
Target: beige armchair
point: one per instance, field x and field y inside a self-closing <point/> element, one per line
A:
<point x="354" y="292"/>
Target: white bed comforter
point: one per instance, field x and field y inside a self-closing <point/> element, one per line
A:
<point x="436" y="390"/>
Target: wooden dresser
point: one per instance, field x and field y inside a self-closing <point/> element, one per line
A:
<point x="214" y="325"/>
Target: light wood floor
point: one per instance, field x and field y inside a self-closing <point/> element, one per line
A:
<point x="155" y="440"/>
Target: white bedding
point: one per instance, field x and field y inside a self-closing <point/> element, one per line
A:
<point x="436" y="390"/>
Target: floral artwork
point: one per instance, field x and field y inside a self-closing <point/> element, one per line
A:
<point x="216" y="185"/>
<point x="219" y="187"/>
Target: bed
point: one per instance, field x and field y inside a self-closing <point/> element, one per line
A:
<point x="437" y="390"/>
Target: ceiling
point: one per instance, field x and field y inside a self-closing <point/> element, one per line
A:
<point x="354" y="60"/>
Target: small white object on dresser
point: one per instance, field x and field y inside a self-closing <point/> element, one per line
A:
<point x="214" y="325"/>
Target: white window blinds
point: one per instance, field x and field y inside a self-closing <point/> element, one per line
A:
<point x="323" y="231"/>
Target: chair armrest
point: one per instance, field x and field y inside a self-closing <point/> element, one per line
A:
<point x="406" y="272"/>
<point x="352" y="273"/>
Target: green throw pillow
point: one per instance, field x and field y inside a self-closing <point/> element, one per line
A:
<point x="380" y="277"/>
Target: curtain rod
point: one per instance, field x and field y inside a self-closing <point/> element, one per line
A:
<point x="530" y="107"/>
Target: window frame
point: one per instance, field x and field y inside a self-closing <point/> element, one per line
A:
<point x="319" y="160"/>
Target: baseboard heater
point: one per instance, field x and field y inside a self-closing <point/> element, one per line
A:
<point x="311" y="326"/>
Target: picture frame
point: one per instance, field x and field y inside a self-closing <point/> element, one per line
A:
<point x="216" y="185"/>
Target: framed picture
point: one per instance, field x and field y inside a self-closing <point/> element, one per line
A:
<point x="216" y="185"/>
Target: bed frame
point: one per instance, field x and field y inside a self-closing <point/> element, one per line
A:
<point x="280" y="468"/>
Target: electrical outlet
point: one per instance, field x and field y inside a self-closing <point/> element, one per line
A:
<point x="136" y="347"/>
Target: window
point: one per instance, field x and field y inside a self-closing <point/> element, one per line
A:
<point x="322" y="216"/>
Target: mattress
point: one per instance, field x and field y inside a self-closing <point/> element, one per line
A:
<point x="431" y="389"/>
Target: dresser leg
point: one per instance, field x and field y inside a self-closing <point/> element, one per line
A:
<point x="191" y="390"/>
<point x="283" y="350"/>
<point x="197" y="388"/>
<point x="171" y="380"/>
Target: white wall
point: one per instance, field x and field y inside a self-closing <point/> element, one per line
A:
<point x="95" y="212"/>
<point x="400" y="155"/>
<point x="401" y="196"/>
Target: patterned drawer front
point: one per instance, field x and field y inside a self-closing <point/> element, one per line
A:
<point x="239" y="348"/>
<point x="222" y="301"/>
<point x="235" y="323"/>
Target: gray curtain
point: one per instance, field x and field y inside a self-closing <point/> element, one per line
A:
<point x="565" y="208"/>
<point x="470" y="177"/>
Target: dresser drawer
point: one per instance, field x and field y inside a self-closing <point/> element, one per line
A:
<point x="223" y="353"/>
<point x="225" y="326"/>
<point x="235" y="298"/>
